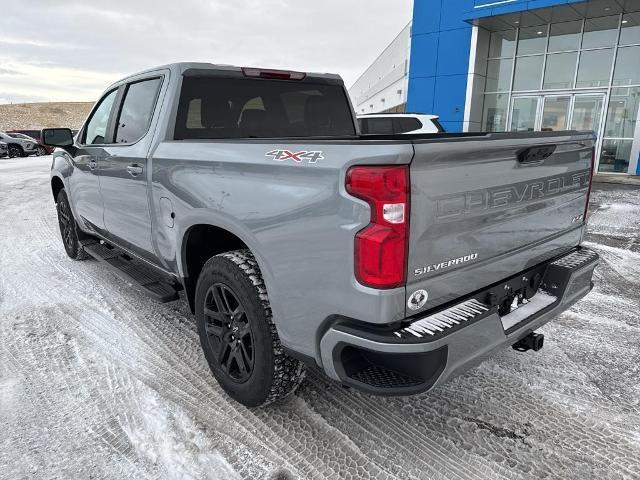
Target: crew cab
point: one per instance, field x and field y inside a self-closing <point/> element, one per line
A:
<point x="392" y="263"/>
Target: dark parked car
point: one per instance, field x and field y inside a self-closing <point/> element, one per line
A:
<point x="35" y="135"/>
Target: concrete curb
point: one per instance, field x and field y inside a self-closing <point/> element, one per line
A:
<point x="619" y="179"/>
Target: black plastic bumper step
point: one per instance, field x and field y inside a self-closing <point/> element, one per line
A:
<point x="154" y="284"/>
<point x="381" y="377"/>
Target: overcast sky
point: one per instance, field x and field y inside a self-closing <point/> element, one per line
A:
<point x="70" y="50"/>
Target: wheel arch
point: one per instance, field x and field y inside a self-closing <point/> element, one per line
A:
<point x="57" y="184"/>
<point x="199" y="243"/>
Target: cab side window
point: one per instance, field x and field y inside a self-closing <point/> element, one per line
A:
<point x="96" y="129"/>
<point x="137" y="110"/>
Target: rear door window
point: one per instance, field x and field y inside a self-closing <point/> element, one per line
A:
<point x="137" y="110"/>
<point x="213" y="107"/>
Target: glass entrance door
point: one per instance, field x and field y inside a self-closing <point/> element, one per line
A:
<point x="557" y="112"/>
<point x="565" y="111"/>
<point x="524" y="114"/>
<point x="587" y="112"/>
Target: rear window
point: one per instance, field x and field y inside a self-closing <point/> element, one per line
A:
<point x="213" y="108"/>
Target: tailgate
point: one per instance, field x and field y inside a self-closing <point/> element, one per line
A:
<point x="484" y="208"/>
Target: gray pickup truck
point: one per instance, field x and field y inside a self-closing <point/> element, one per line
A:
<point x="392" y="263"/>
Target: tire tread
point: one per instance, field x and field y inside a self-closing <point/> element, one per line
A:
<point x="288" y="372"/>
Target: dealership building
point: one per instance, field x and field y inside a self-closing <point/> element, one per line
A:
<point x="517" y="65"/>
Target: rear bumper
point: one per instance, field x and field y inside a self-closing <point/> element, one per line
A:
<point x="423" y="352"/>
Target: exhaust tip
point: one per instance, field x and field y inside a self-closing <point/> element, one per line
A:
<point x="534" y="341"/>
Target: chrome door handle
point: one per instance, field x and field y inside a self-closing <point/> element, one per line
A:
<point x="134" y="170"/>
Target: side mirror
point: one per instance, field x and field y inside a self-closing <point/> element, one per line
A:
<point x="57" y="137"/>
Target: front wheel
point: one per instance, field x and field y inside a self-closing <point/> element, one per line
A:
<point x="69" y="228"/>
<point x="15" y="151"/>
<point x="237" y="332"/>
<point x="40" y="151"/>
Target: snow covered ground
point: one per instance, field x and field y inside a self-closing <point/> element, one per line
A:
<point x="97" y="381"/>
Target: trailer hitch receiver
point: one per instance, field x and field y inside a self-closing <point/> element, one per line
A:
<point x="534" y="341"/>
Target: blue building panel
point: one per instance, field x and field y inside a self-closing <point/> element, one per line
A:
<point x="420" y="95"/>
<point x="429" y="15"/>
<point x="422" y="65"/>
<point x="454" y="62"/>
<point x="452" y="13"/>
<point x="444" y="63"/>
<point x="449" y="99"/>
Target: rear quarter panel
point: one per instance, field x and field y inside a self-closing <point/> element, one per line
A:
<point x="296" y="218"/>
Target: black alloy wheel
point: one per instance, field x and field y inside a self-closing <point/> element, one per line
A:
<point x="238" y="335"/>
<point x="68" y="228"/>
<point x="229" y="332"/>
<point x="67" y="224"/>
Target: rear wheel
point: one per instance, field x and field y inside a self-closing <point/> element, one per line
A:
<point x="69" y="228"/>
<point x="237" y="332"/>
<point x="41" y="151"/>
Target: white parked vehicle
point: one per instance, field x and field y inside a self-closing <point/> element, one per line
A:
<point x="394" y="123"/>
<point x="19" y="147"/>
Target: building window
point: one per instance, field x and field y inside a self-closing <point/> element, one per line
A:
<point x="528" y="73"/>
<point x="498" y="75"/>
<point x="615" y="155"/>
<point x="594" y="68"/>
<point x="568" y="74"/>
<point x="560" y="70"/>
<point x="630" y="32"/>
<point x="600" y="32"/>
<point x="494" y="116"/>
<point x="565" y="36"/>
<point x="622" y="115"/>
<point x="502" y="44"/>
<point x="532" y="40"/>
<point x="627" y="71"/>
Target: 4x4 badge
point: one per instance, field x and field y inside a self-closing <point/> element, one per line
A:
<point x="298" y="157"/>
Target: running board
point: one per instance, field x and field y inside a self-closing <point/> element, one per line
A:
<point x="157" y="286"/>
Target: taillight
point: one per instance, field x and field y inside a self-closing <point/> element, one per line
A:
<point x="593" y="166"/>
<point x="381" y="247"/>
